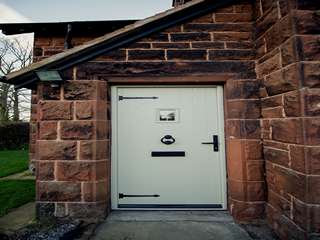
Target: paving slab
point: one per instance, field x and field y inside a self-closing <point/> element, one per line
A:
<point x="170" y="225"/>
<point x="18" y="218"/>
<point x="25" y="175"/>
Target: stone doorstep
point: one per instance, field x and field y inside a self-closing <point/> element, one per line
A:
<point x="168" y="216"/>
<point x="187" y="225"/>
<point x="18" y="218"/>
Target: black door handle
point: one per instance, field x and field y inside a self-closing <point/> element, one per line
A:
<point x="215" y="143"/>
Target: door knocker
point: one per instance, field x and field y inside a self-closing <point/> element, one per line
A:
<point x="168" y="139"/>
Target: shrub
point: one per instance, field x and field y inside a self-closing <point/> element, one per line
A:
<point x="14" y="135"/>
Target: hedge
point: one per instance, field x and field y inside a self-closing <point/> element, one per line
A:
<point x="14" y="135"/>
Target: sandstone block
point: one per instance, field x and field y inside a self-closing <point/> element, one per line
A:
<point x="59" y="191"/>
<point x="146" y="55"/>
<point x="95" y="191"/>
<point x="186" y="54"/>
<point x="90" y="212"/>
<point x="287" y="130"/>
<point x="276" y="156"/>
<point x="243" y="129"/>
<point x="77" y="130"/>
<point x="48" y="130"/>
<point x="45" y="171"/>
<point x="312" y="131"/>
<point x="193" y="37"/>
<point x="232" y="36"/>
<point x="243" y="109"/>
<point x="242" y="89"/>
<point x="292" y="104"/>
<point x="311" y="102"/>
<point x="94" y="150"/>
<point x="233" y="17"/>
<point x="313" y="189"/>
<point x="47" y="92"/>
<point x="56" y="150"/>
<point x="231" y="54"/>
<point x="208" y="45"/>
<point x="85" y="110"/>
<point x="288" y="52"/>
<point x="55" y="110"/>
<point x="283" y="81"/>
<point x="85" y="90"/>
<point x="246" y="191"/>
<point x="246" y="211"/>
<point x="310" y="47"/>
<point x="311" y="72"/>
<point x="76" y="171"/>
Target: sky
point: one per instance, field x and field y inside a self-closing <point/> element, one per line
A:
<point x="78" y="10"/>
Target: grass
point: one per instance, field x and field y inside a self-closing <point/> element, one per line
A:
<point x="14" y="193"/>
<point x="13" y="162"/>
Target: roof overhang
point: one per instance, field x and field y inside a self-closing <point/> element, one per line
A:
<point x="27" y="78"/>
<point x="92" y="28"/>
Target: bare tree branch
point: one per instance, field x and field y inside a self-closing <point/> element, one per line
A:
<point x="13" y="56"/>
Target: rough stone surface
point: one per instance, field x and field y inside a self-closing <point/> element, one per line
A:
<point x="80" y="90"/>
<point x="48" y="131"/>
<point x="169" y="225"/>
<point x="269" y="51"/>
<point x="17" y="219"/>
<point x="77" y="130"/>
<point x="56" y="150"/>
<point x="84" y="110"/>
<point x="55" y="110"/>
<point x="58" y="191"/>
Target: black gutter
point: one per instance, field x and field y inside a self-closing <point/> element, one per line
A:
<point x="3" y="79"/>
<point x="80" y="28"/>
<point x="128" y="37"/>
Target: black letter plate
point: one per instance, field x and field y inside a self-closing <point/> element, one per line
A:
<point x="168" y="154"/>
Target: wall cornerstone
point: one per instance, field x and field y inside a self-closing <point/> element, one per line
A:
<point x="72" y="157"/>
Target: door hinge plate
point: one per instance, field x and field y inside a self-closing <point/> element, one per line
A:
<point x="124" y="98"/>
<point x="122" y="195"/>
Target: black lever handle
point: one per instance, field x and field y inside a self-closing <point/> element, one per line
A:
<point x="215" y="143"/>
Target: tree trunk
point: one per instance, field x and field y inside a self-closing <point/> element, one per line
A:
<point x="4" y="108"/>
<point x="16" y="111"/>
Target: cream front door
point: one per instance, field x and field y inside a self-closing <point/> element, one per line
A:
<point x="168" y="148"/>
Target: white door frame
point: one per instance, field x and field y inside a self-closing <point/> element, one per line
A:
<point x="114" y="141"/>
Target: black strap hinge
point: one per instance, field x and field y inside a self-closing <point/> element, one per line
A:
<point x="123" y="98"/>
<point x="122" y="195"/>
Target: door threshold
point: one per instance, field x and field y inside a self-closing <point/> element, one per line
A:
<point x="169" y="209"/>
<point x="175" y="207"/>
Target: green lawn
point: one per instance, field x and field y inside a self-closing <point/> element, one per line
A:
<point x="13" y="162"/>
<point x="14" y="193"/>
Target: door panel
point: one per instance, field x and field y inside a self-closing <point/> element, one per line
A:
<point x="190" y="116"/>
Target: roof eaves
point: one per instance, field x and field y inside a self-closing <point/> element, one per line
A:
<point x="3" y="79"/>
<point x="131" y="33"/>
<point x="59" y="27"/>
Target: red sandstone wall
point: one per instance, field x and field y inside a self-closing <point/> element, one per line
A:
<point x="215" y="44"/>
<point x="288" y="63"/>
<point x="288" y="68"/>
<point x="72" y="154"/>
<point x="219" y="43"/>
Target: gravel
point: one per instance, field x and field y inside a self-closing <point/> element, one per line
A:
<point x="50" y="231"/>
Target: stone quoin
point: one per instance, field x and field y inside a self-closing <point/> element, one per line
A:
<point x="265" y="54"/>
